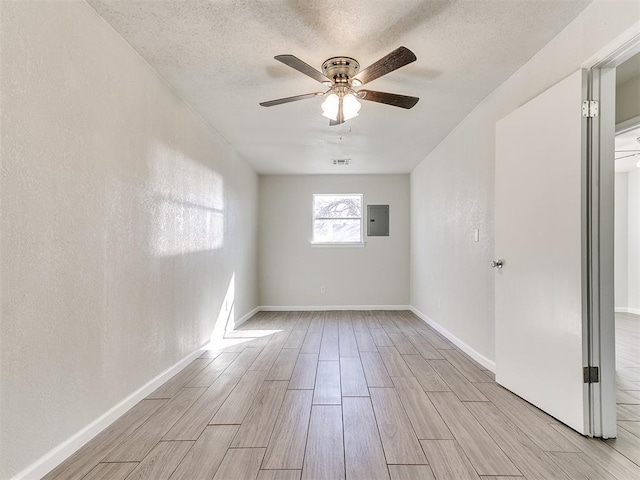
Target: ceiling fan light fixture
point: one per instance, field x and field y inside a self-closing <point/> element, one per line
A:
<point x="351" y="106"/>
<point x="330" y="106"/>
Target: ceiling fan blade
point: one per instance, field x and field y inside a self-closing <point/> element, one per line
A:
<point x="295" y="98"/>
<point x="297" y="64"/>
<point x="402" y="101"/>
<point x="400" y="57"/>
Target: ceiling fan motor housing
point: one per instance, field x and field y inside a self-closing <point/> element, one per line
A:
<point x="341" y="69"/>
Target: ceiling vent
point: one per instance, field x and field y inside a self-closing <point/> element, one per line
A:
<point x="342" y="161"/>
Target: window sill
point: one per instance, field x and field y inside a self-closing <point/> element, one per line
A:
<point x="338" y="245"/>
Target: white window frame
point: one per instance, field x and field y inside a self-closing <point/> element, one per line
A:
<point x="359" y="243"/>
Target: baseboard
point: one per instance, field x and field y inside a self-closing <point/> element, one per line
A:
<point x="247" y="316"/>
<point x="59" y="454"/>
<point x="635" y="311"/>
<point x="315" y="308"/>
<point x="481" y="359"/>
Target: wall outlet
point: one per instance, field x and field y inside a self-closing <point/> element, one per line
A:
<point x="323" y="289"/>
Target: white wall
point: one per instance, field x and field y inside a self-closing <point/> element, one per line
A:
<point x="621" y="238"/>
<point x="291" y="271"/>
<point x="633" y="255"/>
<point x="124" y="220"/>
<point x="452" y="188"/>
<point x="628" y="100"/>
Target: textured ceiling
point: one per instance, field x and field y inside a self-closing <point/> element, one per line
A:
<point x="218" y="55"/>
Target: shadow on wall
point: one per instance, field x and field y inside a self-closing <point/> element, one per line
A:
<point x="190" y="197"/>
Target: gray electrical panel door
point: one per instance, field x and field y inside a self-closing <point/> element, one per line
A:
<point x="378" y="224"/>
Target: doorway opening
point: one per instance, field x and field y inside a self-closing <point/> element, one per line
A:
<point x="627" y="249"/>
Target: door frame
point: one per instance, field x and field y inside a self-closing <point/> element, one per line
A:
<point x="599" y="241"/>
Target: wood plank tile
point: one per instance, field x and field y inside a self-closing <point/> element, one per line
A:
<point x="352" y="378"/>
<point x="627" y="444"/>
<point x="279" y="475"/>
<point x="533" y="422"/>
<point x="317" y="322"/>
<point x="402" y="344"/>
<point x="137" y="445"/>
<point x="329" y="345"/>
<point x="284" y="365"/>
<point x="482" y="451"/>
<point x="630" y="397"/>
<point x="259" y="422"/>
<point x="287" y="444"/>
<point x="110" y="471"/>
<point x="501" y="477"/>
<point x="311" y="342"/>
<point x="410" y="472"/>
<point x="628" y="412"/>
<point x="237" y="404"/>
<point x="240" y="464"/>
<point x="211" y="372"/>
<point x="521" y="450"/>
<point x="324" y="457"/>
<point x="465" y="367"/>
<point x="374" y="370"/>
<point x="347" y="342"/>
<point x="600" y="455"/>
<point x="81" y="462"/>
<point x="435" y="339"/>
<point x="266" y="359"/>
<point x="196" y="419"/>
<point x="327" y="389"/>
<point x="448" y="461"/>
<point x="365" y="341"/>
<point x="463" y="388"/>
<point x="161" y="461"/>
<point x="171" y="387"/>
<point x="579" y="466"/>
<point x="364" y="457"/>
<point x="425" y="374"/>
<point x="399" y="442"/>
<point x="204" y="458"/>
<point x="296" y="339"/>
<point x="632" y="427"/>
<point x="423" y="347"/>
<point x="242" y="363"/>
<point x="304" y="373"/>
<point x="394" y="363"/>
<point x="425" y="419"/>
<point x="380" y="338"/>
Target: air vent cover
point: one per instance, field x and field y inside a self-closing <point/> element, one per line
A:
<point x="342" y="161"/>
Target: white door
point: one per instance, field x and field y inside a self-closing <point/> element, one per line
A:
<point x="540" y="167"/>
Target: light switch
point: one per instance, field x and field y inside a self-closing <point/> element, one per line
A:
<point x="476" y="234"/>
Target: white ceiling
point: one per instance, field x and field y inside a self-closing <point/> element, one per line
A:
<point x="627" y="150"/>
<point x="218" y="55"/>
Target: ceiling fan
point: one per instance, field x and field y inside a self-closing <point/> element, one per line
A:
<point x="342" y="75"/>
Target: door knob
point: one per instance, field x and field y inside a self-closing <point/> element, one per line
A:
<point x="497" y="264"/>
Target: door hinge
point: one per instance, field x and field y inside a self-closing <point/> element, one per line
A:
<point x="590" y="108"/>
<point x="591" y="374"/>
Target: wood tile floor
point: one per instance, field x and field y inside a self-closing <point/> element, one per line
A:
<point x="356" y="395"/>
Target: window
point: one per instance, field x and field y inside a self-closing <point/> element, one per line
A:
<point x="337" y="218"/>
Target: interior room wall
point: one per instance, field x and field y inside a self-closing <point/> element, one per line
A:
<point x="621" y="239"/>
<point x="628" y="100"/>
<point x="452" y="189"/>
<point x="291" y="271"/>
<point x="125" y="222"/>
<point x="633" y="254"/>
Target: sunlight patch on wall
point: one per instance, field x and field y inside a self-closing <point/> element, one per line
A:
<point x="190" y="201"/>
